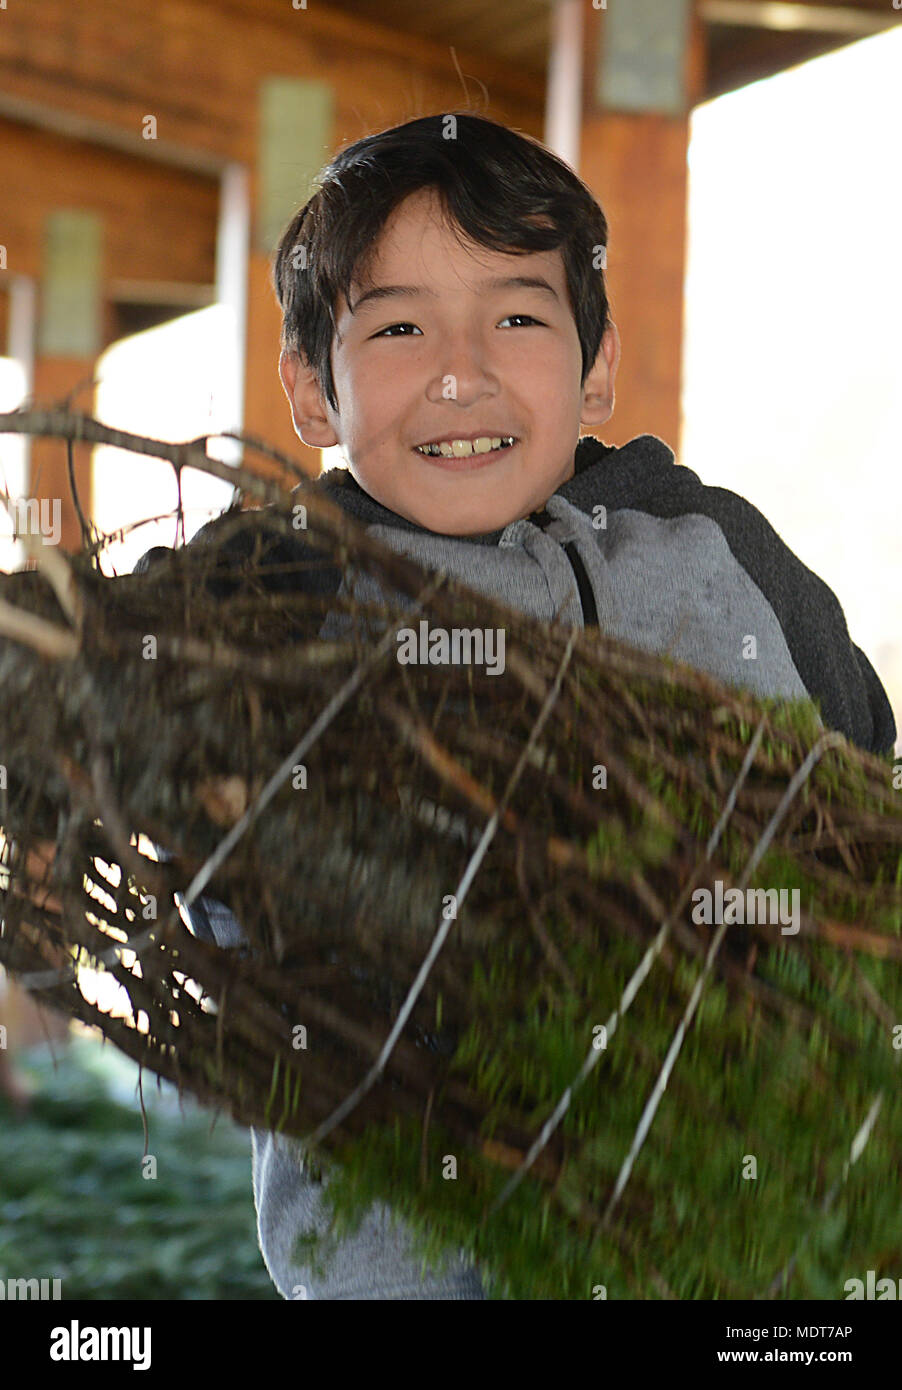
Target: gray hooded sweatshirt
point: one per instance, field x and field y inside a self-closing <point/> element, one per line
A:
<point x="637" y="545"/>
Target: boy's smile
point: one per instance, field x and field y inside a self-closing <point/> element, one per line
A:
<point x="448" y="343"/>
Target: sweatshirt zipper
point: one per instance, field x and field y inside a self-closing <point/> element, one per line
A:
<point x="586" y="596"/>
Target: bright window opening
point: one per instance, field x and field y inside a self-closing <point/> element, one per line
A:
<point x="166" y="383"/>
<point x="792" y="351"/>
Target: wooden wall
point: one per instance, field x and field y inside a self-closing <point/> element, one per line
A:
<point x="196" y="66"/>
<point x="159" y="222"/>
<point x="636" y="163"/>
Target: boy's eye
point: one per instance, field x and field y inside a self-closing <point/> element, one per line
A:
<point x="392" y="326"/>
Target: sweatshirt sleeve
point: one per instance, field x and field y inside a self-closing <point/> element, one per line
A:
<point x="834" y="670"/>
<point x="375" y="1263"/>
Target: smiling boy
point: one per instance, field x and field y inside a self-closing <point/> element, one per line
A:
<point x="491" y="350"/>
<point x="445" y="286"/>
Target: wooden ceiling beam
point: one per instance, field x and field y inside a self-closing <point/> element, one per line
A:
<point x="105" y="135"/>
<point x="782" y="15"/>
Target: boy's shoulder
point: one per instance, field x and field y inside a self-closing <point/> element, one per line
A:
<point x="644" y="476"/>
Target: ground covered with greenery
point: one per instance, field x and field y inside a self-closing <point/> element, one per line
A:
<point x="75" y="1206"/>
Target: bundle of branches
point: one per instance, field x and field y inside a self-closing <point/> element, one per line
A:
<point x="505" y="964"/>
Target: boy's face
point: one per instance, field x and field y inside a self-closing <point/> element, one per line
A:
<point x="473" y="360"/>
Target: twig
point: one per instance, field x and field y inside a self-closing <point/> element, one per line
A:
<point x="419" y="737"/>
<point x="70" y="463"/>
<point x="115" y="826"/>
<point x="44" y="637"/>
<point x="65" y="424"/>
<point x="535" y="921"/>
<point x="260" y="446"/>
<point x="56" y="568"/>
<point x="423" y="1144"/>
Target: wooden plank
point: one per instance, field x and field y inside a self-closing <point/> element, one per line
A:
<point x="55" y="380"/>
<point x="159" y="224"/>
<point x="196" y="65"/>
<point x="636" y="165"/>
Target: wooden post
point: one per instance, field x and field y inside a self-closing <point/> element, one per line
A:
<point x="635" y="161"/>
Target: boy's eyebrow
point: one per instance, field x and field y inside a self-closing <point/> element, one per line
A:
<point x="496" y="282"/>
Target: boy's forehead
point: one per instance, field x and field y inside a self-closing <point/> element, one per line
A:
<point x="389" y="263"/>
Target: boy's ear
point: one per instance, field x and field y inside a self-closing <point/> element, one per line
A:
<point x="308" y="409"/>
<point x="598" y="391"/>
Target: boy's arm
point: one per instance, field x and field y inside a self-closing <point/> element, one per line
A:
<point x="833" y="669"/>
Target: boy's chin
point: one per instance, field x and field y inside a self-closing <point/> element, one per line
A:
<point x="480" y="516"/>
<point x="447" y="521"/>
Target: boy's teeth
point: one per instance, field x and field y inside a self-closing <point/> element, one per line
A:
<point x="461" y="448"/>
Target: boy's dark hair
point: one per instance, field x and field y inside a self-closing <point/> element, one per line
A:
<point x="504" y="190"/>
